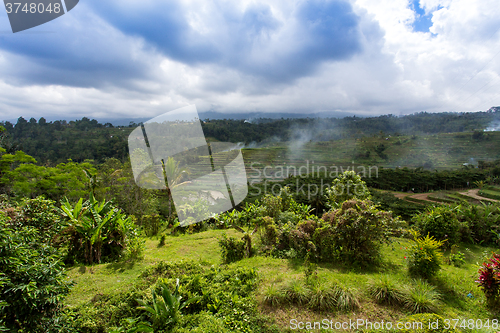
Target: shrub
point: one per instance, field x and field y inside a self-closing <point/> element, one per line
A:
<point x="135" y="249"/>
<point x="421" y="297"/>
<point x="162" y="241"/>
<point x="151" y="224"/>
<point x="489" y="279"/>
<point x="456" y="257"/>
<point x="40" y="214"/>
<point x="386" y="291"/>
<point x="357" y="230"/>
<point x="440" y="222"/>
<point x="32" y="279"/>
<point x="273" y="205"/>
<point x="270" y="236"/>
<point x="285" y="217"/>
<point x="347" y="186"/>
<point x="424" y="256"/>
<point x="483" y="221"/>
<point x="232" y="249"/>
<point x="301" y="237"/>
<point x="203" y="322"/>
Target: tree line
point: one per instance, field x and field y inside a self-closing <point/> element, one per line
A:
<point x="53" y="142"/>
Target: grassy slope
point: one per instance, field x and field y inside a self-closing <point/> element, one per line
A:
<point x="455" y="283"/>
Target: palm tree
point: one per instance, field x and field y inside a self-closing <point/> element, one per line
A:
<point x="173" y="175"/>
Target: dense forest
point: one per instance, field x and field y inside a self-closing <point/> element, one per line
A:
<point x="55" y="142"/>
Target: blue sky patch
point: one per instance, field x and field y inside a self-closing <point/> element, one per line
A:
<point x="422" y="21"/>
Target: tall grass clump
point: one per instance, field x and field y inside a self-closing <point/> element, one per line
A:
<point x="297" y="293"/>
<point x="422" y="297"/>
<point x="385" y="290"/>
<point x="274" y="296"/>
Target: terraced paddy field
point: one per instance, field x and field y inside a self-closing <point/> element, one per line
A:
<point x="440" y="151"/>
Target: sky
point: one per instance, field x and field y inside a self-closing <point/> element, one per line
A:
<point x="126" y="59"/>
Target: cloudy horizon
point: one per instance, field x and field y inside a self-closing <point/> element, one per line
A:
<point x="127" y="59"/>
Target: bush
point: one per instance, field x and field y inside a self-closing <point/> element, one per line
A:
<point x="489" y="280"/>
<point x="270" y="236"/>
<point x="161" y="243"/>
<point x="151" y="224"/>
<point x="347" y="186"/>
<point x="203" y="322"/>
<point x="232" y="249"/>
<point x="41" y="214"/>
<point x="483" y="221"/>
<point x="32" y="279"/>
<point x="456" y="257"/>
<point x="357" y="230"/>
<point x="135" y="249"/>
<point x="301" y="237"/>
<point x="440" y="222"/>
<point x="424" y="257"/>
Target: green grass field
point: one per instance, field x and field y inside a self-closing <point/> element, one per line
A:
<point x="453" y="283"/>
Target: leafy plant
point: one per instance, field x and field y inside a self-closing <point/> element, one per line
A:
<point x="232" y="249"/>
<point x="98" y="226"/>
<point x="347" y="186"/>
<point x="440" y="222"/>
<point x="165" y="307"/>
<point x="489" y="279"/>
<point x="355" y="232"/>
<point x="456" y="257"/>
<point x="33" y="281"/>
<point x="424" y="256"/>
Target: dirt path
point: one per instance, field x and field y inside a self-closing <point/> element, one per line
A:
<point x="423" y="196"/>
<point x="473" y="194"/>
<point x="419" y="196"/>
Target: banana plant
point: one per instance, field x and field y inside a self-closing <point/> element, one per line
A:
<point x="166" y="306"/>
<point x="90" y="219"/>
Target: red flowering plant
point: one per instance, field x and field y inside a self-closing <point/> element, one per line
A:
<point x="489" y="279"/>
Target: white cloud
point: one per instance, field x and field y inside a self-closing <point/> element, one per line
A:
<point x="112" y="70"/>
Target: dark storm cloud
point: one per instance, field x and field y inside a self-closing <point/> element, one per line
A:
<point x="79" y="49"/>
<point x="252" y="41"/>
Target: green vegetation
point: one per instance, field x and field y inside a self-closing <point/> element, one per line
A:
<point x="120" y="262"/>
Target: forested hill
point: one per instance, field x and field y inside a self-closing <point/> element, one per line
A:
<point x="57" y="141"/>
